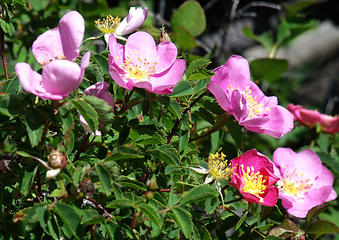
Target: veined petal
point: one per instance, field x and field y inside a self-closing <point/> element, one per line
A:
<point x="29" y="79"/>
<point x="140" y="47"/>
<point x="133" y="21"/>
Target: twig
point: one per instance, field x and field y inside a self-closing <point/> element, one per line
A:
<point x="178" y="121"/>
<point x="3" y="54"/>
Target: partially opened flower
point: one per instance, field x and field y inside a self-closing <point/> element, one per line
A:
<point x="238" y="95"/>
<point x="254" y="177"/>
<point x="312" y="117"/>
<point x="99" y="90"/>
<point x="56" y="50"/>
<point x="140" y="63"/>
<point x="129" y="24"/>
<point x="304" y="182"/>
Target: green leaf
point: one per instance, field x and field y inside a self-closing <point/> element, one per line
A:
<point x="268" y="69"/>
<point x="331" y="162"/>
<point x="196" y="65"/>
<point x="69" y="218"/>
<point x="111" y="228"/>
<point x="322" y="227"/>
<point x="241" y="221"/>
<point x="199" y="193"/>
<point x="183" y="38"/>
<point x="265" y="39"/>
<point x="27" y="180"/>
<point x="93" y="72"/>
<point x="293" y="10"/>
<point x="123" y="153"/>
<point x="88" y="112"/>
<point x="11" y="105"/>
<point x="274" y="238"/>
<point x="152" y="213"/>
<point x="34" y="126"/>
<point x="183" y="88"/>
<point x="184" y="220"/>
<point x="102" y="61"/>
<point x="173" y="198"/>
<point x="90" y="217"/>
<point x="103" y="109"/>
<point x="183" y="141"/>
<point x="165" y="155"/>
<point x="191" y="16"/>
<point x="121" y="203"/>
<point x="11" y="86"/>
<point x="126" y="182"/>
<point x="314" y="212"/>
<point x="105" y="179"/>
<point x="39" y="4"/>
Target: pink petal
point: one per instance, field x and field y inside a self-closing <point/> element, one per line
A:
<point x="271" y="197"/>
<point x="84" y="64"/>
<point x="167" y="53"/>
<point x="221" y="96"/>
<point x="71" y="28"/>
<point x="141" y="46"/>
<point x="61" y="77"/>
<point x="164" y="84"/>
<point x="117" y="77"/>
<point x="238" y="103"/>
<point x="48" y="46"/>
<point x="117" y="51"/>
<point x="133" y="21"/>
<point x="100" y="90"/>
<point x="29" y="79"/>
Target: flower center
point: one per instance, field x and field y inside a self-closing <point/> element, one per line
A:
<point x="294" y="184"/>
<point x="107" y="25"/>
<point x="218" y="166"/>
<point x="139" y="71"/>
<point x="254" y="182"/>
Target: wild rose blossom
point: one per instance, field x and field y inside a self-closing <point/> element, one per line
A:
<point x="56" y="50"/>
<point x="253" y="176"/>
<point x="242" y="98"/>
<point x="129" y="24"/>
<point x="312" y="117"/>
<point x="99" y="90"/>
<point x="304" y="182"/>
<point x="140" y="63"/>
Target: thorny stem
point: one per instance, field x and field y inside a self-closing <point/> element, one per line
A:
<point x="3" y="55"/>
<point x="178" y="121"/>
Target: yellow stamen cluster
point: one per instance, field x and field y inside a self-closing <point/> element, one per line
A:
<point x="295" y="186"/>
<point x="139" y="72"/>
<point x="107" y="25"/>
<point x="254" y="182"/>
<point x="219" y="168"/>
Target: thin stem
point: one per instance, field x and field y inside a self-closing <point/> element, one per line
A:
<point x="84" y="142"/>
<point x="178" y="121"/>
<point x="273" y="51"/>
<point x="243" y="140"/>
<point x="3" y="54"/>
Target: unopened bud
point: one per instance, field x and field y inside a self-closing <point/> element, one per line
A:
<point x="149" y="195"/>
<point x="152" y="183"/>
<point x="57" y="159"/>
<point x="164" y="36"/>
<point x="52" y="173"/>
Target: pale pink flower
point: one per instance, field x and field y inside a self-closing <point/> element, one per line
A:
<point x="140" y="63"/>
<point x="135" y="18"/>
<point x="253" y="175"/>
<point x="99" y="90"/>
<point x="238" y="95"/>
<point x="304" y="182"/>
<point x="56" y="50"/>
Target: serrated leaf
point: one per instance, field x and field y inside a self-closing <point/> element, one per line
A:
<point x="105" y="179"/>
<point x="124" y="153"/>
<point x="199" y="193"/>
<point x="274" y="238"/>
<point x="132" y="184"/>
<point x="183" y="88"/>
<point x="27" y="180"/>
<point x="102" y="61"/>
<point x="69" y="218"/>
<point x="183" y="141"/>
<point x="241" y="221"/>
<point x="322" y="227"/>
<point x="88" y="112"/>
<point x="90" y="217"/>
<point x="314" y="212"/>
<point x="152" y="213"/>
<point x="197" y="64"/>
<point x="121" y="203"/>
<point x="184" y="220"/>
<point x="11" y="105"/>
<point x="34" y="126"/>
<point x="111" y="228"/>
<point x="191" y="16"/>
<point x="165" y="156"/>
<point x="11" y="86"/>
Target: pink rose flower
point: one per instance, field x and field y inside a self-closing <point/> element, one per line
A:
<point x="56" y="50"/>
<point x="253" y="175"/>
<point x="135" y="18"/>
<point x="238" y="95"/>
<point x="304" y="182"/>
<point x="140" y="63"/>
<point x="312" y="117"/>
<point x="99" y="90"/>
